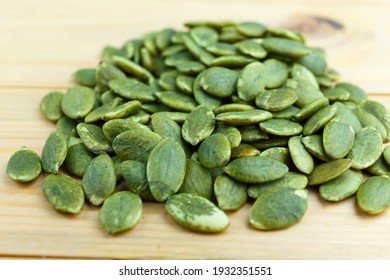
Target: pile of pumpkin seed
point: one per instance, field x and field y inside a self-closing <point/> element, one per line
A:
<point x="205" y="120"/>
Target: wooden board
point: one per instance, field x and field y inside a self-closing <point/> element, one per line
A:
<point x="44" y="41"/>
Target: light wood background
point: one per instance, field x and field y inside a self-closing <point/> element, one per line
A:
<point x="43" y="41"/>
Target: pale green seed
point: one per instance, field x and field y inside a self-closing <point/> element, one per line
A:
<point x="120" y="212"/>
<point x="134" y="174"/>
<point x="98" y="113"/>
<point x="272" y="142"/>
<point x="356" y="93"/>
<point x="214" y="151"/>
<point x="220" y="49"/>
<point x="285" y="47"/>
<point x="231" y="132"/>
<point x="204" y="36"/>
<point x="251" y="29"/>
<point x="338" y="139"/>
<point x="342" y="187"/>
<point x="305" y="90"/>
<point x="167" y="157"/>
<point x="85" y="77"/>
<point x="24" y="166"/>
<point x="373" y="196"/>
<point x="230" y="34"/>
<point x="276" y="99"/>
<point x="202" y="97"/>
<point x="251" y="81"/>
<point x="232" y="61"/>
<point x="199" y="125"/>
<point x="63" y="193"/>
<point x="367" y="119"/>
<point x="346" y="115"/>
<point x="244" y="150"/>
<point x="196" y="213"/>
<point x="314" y="144"/>
<point x="123" y="110"/>
<point x="163" y="38"/>
<point x="276" y="73"/>
<point x="78" y="102"/>
<point x="66" y="127"/>
<point x="278" y="208"/>
<point x="379" y="111"/>
<point x="94" y="138"/>
<point x="177" y="101"/>
<point x="233" y="107"/>
<point x="300" y="72"/>
<point x="185" y="83"/>
<point x="336" y="94"/>
<point x="309" y="109"/>
<point x="287" y="34"/>
<point x="167" y="79"/>
<point x="51" y="106"/>
<point x="113" y="128"/>
<point x="152" y="108"/>
<point x="54" y="152"/>
<point x="178" y="117"/>
<point x="281" y="127"/>
<point x="197" y="50"/>
<point x="318" y="120"/>
<point x="106" y="72"/>
<point x="197" y="180"/>
<point x="300" y="156"/>
<point x="230" y="194"/>
<point x="380" y="167"/>
<point x="132" y="68"/>
<point x="255" y="169"/>
<point x="219" y="81"/>
<point x="386" y="154"/>
<point x="314" y="61"/>
<point x="251" y="48"/>
<point x="281" y="154"/>
<point x="252" y="133"/>
<point x="132" y="89"/>
<point x="366" y="149"/>
<point x="286" y="114"/>
<point x="328" y="171"/>
<point x="99" y="179"/>
<point x="244" y="117"/>
<point x="77" y="159"/>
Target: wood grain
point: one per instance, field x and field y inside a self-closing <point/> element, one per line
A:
<point x="44" y="41"/>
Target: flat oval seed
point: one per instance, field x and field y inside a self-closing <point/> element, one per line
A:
<point x="167" y="157"/>
<point x="276" y="99"/>
<point x="197" y="180"/>
<point x="178" y="117"/>
<point x="202" y="97"/>
<point x="386" y="154"/>
<point x="66" y="127"/>
<point x="342" y="186"/>
<point x="244" y="150"/>
<point x="85" y="77"/>
<point x="287" y="34"/>
<point x="78" y="102"/>
<point x="113" y="128"/>
<point x="255" y="169"/>
<point x="214" y="151"/>
<point x="167" y="80"/>
<point x="134" y="174"/>
<point x="309" y="109"/>
<point x="24" y="166"/>
<point x="276" y="73"/>
<point x="178" y="101"/>
<point x="286" y="114"/>
<point x="252" y="133"/>
<point x="233" y="107"/>
<point x="356" y="93"/>
<point x="336" y="94"/>
<point x="300" y="156"/>
<point x="78" y="159"/>
<point x="346" y="115"/>
<point x="367" y="119"/>
<point x="300" y="72"/>
<point x="99" y="179"/>
<point x="199" y="125"/>
<point x="366" y="149"/>
<point x="135" y="144"/>
<point x="63" y="193"/>
<point x="230" y="194"/>
<point x="306" y="91"/>
<point x="232" y="61"/>
<point x="251" y="81"/>
<point x="318" y="120"/>
<point x="98" y="113"/>
<point x="219" y="81"/>
<point x="94" y="138"/>
<point x="132" y="89"/>
<point x="54" y="152"/>
<point x="231" y="132"/>
<point x="379" y="111"/>
<point x="285" y="47"/>
<point x="120" y="212"/>
<point x="272" y="142"/>
<point x="314" y="144"/>
<point x="123" y="110"/>
<point x="338" y="139"/>
<point x="51" y="106"/>
<point x="281" y="127"/>
<point x="380" y="167"/>
<point x="196" y="213"/>
<point x="220" y="49"/>
<point x="252" y="48"/>
<point x="244" y="117"/>
<point x="281" y="154"/>
<point x="328" y="171"/>
<point x="204" y="36"/>
<point x="278" y="208"/>
<point x="251" y="29"/>
<point x="373" y="196"/>
<point x="185" y="83"/>
<point x="132" y="68"/>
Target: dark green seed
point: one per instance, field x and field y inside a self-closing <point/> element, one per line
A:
<point x="24" y="166"/>
<point x="54" y="152"/>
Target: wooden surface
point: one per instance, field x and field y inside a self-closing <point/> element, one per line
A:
<point x="43" y="41"/>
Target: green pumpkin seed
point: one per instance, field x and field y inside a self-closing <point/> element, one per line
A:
<point x="252" y="133"/>
<point x="98" y="113"/>
<point x="171" y="50"/>
<point x="77" y="159"/>
<point x="380" y="167"/>
<point x="338" y="139"/>
<point x="276" y="99"/>
<point x="196" y="213"/>
<point x="132" y="89"/>
<point x="99" y="179"/>
<point x="220" y="49"/>
<point x="300" y="156"/>
<point x="255" y="169"/>
<point x="324" y="82"/>
<point x="251" y="48"/>
<point x="244" y="150"/>
<point x="367" y="119"/>
<point x="379" y="111"/>
<point x="286" y="114"/>
<point x="233" y="107"/>
<point x="51" y="106"/>
<point x="202" y="97"/>
<point x="185" y="83"/>
<point x="106" y="72"/>
<point x="346" y="115"/>
<point x="366" y="149"/>
<point x="197" y="180"/>
<point x="94" y="138"/>
<point x="197" y="50"/>
<point x="230" y="194"/>
<point x="300" y="72"/>
<point x="328" y="171"/>
<point x="199" y="125"/>
<point x="287" y="34"/>
<point x="167" y="157"/>
<point x="219" y="81"/>
<point x="24" y="166"/>
<point x="232" y="61"/>
<point x="251" y="81"/>
<point x="78" y="102"/>
<point x="314" y="144"/>
<point x="214" y="151"/>
<point x="154" y="108"/>
<point x="281" y="154"/>
<point x="54" y="152"/>
<point x="318" y="120"/>
<point x="278" y="208"/>
<point x="272" y="142"/>
<point x="386" y="154"/>
<point x="167" y="79"/>
<point x="289" y="180"/>
<point x="285" y="47"/>
<point x="251" y="29"/>
<point x="178" y="117"/>
<point x="113" y="128"/>
<point x="66" y="127"/>
<point x="314" y="61"/>
<point x="231" y="132"/>
<point x="373" y="196"/>
<point x="178" y="101"/>
<point x="276" y="72"/>
<point x="244" y="117"/>
<point x="305" y="90"/>
<point x="163" y="38"/>
<point x="309" y="109"/>
<point x="85" y="77"/>
<point x="281" y="127"/>
<point x="120" y="212"/>
<point x="342" y="187"/>
<point x="356" y="93"/>
<point x="63" y="193"/>
<point x="336" y="94"/>
<point x="135" y="144"/>
<point x="132" y="68"/>
<point x="123" y="110"/>
<point x="204" y="36"/>
<point x="134" y="174"/>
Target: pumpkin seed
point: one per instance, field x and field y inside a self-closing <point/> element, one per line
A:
<point x="204" y="36"/>
<point x="77" y="159"/>
<point x="251" y="48"/>
<point x="231" y="132"/>
<point x="286" y="114"/>
<point x="276" y="99"/>
<point x="373" y="195"/>
<point x="386" y="154"/>
<point x="132" y="68"/>
<point x="251" y="81"/>
<point x="309" y="109"/>
<point x="336" y="94"/>
<point x="285" y="47"/>
<point x="123" y="110"/>
<point x="379" y="111"/>
<point x="94" y="138"/>
<point x="244" y="150"/>
<point x="197" y="180"/>
<point x="220" y="49"/>
<point x="367" y="119"/>
<point x="278" y="208"/>
<point x="24" y="166"/>
<point x="287" y="34"/>
<point x="178" y="101"/>
<point x="198" y="125"/>
<point x="230" y="194"/>
<point x="300" y="72"/>
<point x="338" y="139"/>
<point x="178" y="117"/>
<point x="132" y="89"/>
<point x="300" y="156"/>
<point x="346" y="115"/>
<point x="214" y="151"/>
<point x="121" y="211"/>
<point x="219" y="81"/>
<point x="328" y="171"/>
<point x="232" y="61"/>
<point x="233" y="107"/>
<point x="314" y="144"/>
<point x="251" y="29"/>
<point x="98" y="113"/>
<point x="318" y="120"/>
<point x="380" y="167"/>
<point x="314" y="61"/>
<point x="356" y="94"/>
<point x="201" y="96"/>
<point x="281" y="127"/>
<point x="54" y="152"/>
<point x="78" y="102"/>
<point x="272" y="142"/>
<point x="244" y="117"/>
<point x="63" y="193"/>
<point x="51" y="106"/>
<point x="113" y="128"/>
<point x="85" y="77"/>
<point x="252" y="133"/>
<point x="196" y="213"/>
<point x="185" y="83"/>
<point x="276" y="72"/>
<point x="281" y="154"/>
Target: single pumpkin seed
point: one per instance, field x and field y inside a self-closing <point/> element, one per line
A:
<point x="123" y="110"/>
<point x="233" y="107"/>
<point x="281" y="127"/>
<point x="244" y="117"/>
<point x="281" y="154"/>
<point x="300" y="72"/>
<point x="251" y="29"/>
<point x="94" y="138"/>
<point x="214" y="151"/>
<point x="231" y="132"/>
<point x="113" y="128"/>
<point x="220" y="49"/>
<point x="201" y="96"/>
<point x="185" y="83"/>
<point x="346" y="115"/>
<point x="54" y="152"/>
<point x="244" y="150"/>
<point x="276" y="73"/>
<point x="328" y="171"/>
<point x="318" y="120"/>
<point x="276" y="99"/>
<point x="356" y="94"/>
<point x="300" y="156"/>
<point x="373" y="196"/>
<point x="51" y="106"/>
<point x="232" y="61"/>
<point x="336" y="94"/>
<point x="78" y="102"/>
<point x="251" y="48"/>
<point x="204" y="36"/>
<point x="219" y="81"/>
<point x="85" y="77"/>
<point x="286" y="114"/>
<point x="309" y="109"/>
<point x="338" y="139"/>
<point x="314" y="144"/>
<point x="77" y="159"/>
<point x="198" y="125"/>
<point x="272" y="142"/>
<point x="132" y="89"/>
<point x="132" y="68"/>
<point x="380" y="167"/>
<point x="252" y="133"/>
<point x="197" y="180"/>
<point x="251" y="81"/>
<point x="24" y="166"/>
<point x="177" y="101"/>
<point x="314" y="61"/>
<point x="367" y="119"/>
<point x="285" y="47"/>
<point x="230" y="194"/>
